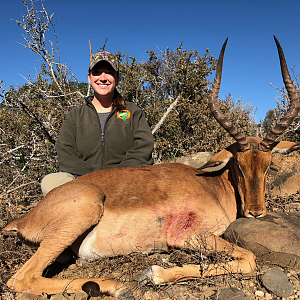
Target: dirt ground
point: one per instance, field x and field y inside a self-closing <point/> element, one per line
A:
<point x="127" y="269"/>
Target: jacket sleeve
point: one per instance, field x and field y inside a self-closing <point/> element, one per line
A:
<point x="69" y="159"/>
<point x="141" y="153"/>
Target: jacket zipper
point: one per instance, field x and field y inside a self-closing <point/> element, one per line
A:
<point x="102" y="137"/>
<point x="102" y="141"/>
<point x="102" y="132"/>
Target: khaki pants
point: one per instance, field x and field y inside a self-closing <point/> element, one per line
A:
<point x="54" y="180"/>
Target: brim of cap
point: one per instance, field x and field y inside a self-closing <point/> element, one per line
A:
<point x="93" y="65"/>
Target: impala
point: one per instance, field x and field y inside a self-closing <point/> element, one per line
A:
<point x="123" y="210"/>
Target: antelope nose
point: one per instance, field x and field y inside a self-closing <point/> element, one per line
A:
<point x="255" y="214"/>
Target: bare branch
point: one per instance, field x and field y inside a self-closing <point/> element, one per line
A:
<point x="21" y="186"/>
<point x="165" y="115"/>
<point x="91" y="51"/>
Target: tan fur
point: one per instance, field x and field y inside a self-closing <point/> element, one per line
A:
<point x="124" y="210"/>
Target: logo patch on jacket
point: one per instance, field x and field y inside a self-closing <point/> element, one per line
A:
<point x="123" y="114"/>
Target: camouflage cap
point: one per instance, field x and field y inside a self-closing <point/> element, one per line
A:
<point x="104" y="56"/>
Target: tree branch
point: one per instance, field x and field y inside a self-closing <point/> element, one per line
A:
<point x="166" y="114"/>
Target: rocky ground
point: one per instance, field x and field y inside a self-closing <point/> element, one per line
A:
<point x="267" y="282"/>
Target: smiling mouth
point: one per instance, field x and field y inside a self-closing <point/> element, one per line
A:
<point x="102" y="85"/>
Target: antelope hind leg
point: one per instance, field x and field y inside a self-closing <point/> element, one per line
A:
<point x="56" y="222"/>
<point x="30" y="280"/>
<point x="243" y="262"/>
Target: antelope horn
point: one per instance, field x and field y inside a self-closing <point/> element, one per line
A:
<point x="294" y="96"/>
<point x="216" y="111"/>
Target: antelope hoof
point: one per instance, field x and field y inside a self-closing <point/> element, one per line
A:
<point x="92" y="289"/>
<point x="153" y="274"/>
<point x="146" y="276"/>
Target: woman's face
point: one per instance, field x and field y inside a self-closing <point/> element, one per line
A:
<point x="103" y="79"/>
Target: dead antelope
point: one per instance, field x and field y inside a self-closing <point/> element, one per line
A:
<point x="119" y="211"/>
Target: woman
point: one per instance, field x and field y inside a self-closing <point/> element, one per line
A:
<point x="105" y="132"/>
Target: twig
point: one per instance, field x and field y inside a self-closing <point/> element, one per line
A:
<point x="277" y="88"/>
<point x="166" y="114"/>
<point x="91" y="51"/>
<point x="18" y="187"/>
<point x="11" y="150"/>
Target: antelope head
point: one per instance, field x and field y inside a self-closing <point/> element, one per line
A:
<point x="250" y="157"/>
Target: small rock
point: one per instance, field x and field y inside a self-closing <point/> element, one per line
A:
<point x="208" y="292"/>
<point x="60" y="296"/>
<point x="72" y="267"/>
<point x="268" y="296"/>
<point x="259" y="293"/>
<point x="79" y="296"/>
<point x="277" y="282"/>
<point x="149" y="295"/>
<point x="232" y="293"/>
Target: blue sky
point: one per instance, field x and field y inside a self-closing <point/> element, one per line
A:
<point x="134" y="26"/>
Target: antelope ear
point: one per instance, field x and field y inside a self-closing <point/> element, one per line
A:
<point x="284" y="147"/>
<point x="217" y="162"/>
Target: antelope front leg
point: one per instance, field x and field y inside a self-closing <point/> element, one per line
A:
<point x="243" y="262"/>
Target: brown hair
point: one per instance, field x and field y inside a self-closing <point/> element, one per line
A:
<point x="118" y="101"/>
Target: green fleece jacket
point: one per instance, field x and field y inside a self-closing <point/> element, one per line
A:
<point x="82" y="148"/>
